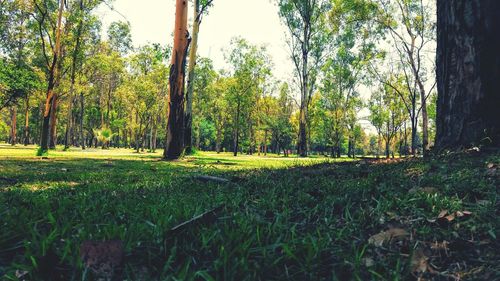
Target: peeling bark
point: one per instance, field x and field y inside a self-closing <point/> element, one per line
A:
<point x="174" y="146"/>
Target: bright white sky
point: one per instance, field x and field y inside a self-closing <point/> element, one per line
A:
<point x="152" y="21"/>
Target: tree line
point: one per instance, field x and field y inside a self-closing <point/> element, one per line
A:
<point x="355" y="61"/>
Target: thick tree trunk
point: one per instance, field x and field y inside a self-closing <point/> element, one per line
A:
<point x="44" y="138"/>
<point x="387" y="147"/>
<point x="13" y="125"/>
<point x="154" y="136"/>
<point x="27" y="122"/>
<point x="69" y="122"/>
<point x="302" y="142"/>
<point x="82" y="115"/>
<point x="265" y="142"/>
<point x="413" y="137"/>
<point x="468" y="72"/>
<point x="53" y="123"/>
<point x="174" y="146"/>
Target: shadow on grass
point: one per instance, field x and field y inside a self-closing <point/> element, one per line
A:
<point x="302" y="223"/>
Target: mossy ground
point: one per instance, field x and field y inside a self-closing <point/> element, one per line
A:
<point x="279" y="218"/>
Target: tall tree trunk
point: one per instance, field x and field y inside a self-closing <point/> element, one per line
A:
<point x="265" y="142"/>
<point x="82" y="115"/>
<point x="387" y="147"/>
<point x="191" y="76"/>
<point x="13" y="125"/>
<point x="425" y="118"/>
<point x="27" y="122"/>
<point x="44" y="138"/>
<point x="413" y="137"/>
<point x="468" y="71"/>
<point x="302" y="142"/>
<point x="174" y="146"/>
<point x="70" y="119"/>
<point x="69" y="123"/>
<point x="304" y="99"/>
<point x="53" y="123"/>
<point x="154" y="137"/>
<point x="236" y="138"/>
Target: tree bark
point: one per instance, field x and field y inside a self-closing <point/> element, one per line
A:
<point x="27" y="122"/>
<point x="82" y="115"/>
<point x="53" y="123"/>
<point x="13" y="125"/>
<point x="174" y="146"/>
<point x="468" y="71"/>
<point x="302" y="142"/>
<point x="69" y="123"/>
<point x="191" y="76"/>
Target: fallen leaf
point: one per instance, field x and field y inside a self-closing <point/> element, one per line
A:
<point x="442" y="214"/>
<point x="440" y="245"/>
<point x="450" y="217"/>
<point x="385" y="236"/>
<point x="102" y="258"/>
<point x="368" y="261"/>
<point x="419" y="262"/>
<point x="21" y="273"/>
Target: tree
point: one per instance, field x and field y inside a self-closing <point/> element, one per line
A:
<point x="308" y="43"/>
<point x="387" y="115"/>
<point x="53" y="68"/>
<point x="119" y="37"/>
<point x="411" y="27"/>
<point x="282" y="129"/>
<point x="207" y="100"/>
<point x="80" y="35"/>
<point x="249" y="71"/>
<point x="174" y="145"/>
<point x="468" y="67"/>
<point x="199" y="9"/>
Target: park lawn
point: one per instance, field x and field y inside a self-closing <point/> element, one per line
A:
<point x="277" y="219"/>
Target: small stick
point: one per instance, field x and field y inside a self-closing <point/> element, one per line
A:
<point x="211" y="178"/>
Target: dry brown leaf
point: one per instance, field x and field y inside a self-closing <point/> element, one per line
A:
<point x="442" y="214"/>
<point x="102" y="258"/>
<point x="450" y="217"/>
<point x="385" y="236"/>
<point x="467" y="213"/>
<point x="419" y="262"/>
<point x="368" y="261"/>
<point x="440" y="245"/>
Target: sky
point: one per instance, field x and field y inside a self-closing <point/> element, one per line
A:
<point x="152" y="21"/>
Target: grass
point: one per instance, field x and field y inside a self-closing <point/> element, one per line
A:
<point x="280" y="218"/>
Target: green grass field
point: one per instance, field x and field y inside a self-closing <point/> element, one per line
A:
<point x="276" y="219"/>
